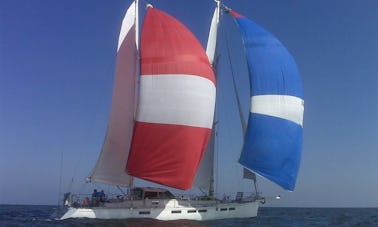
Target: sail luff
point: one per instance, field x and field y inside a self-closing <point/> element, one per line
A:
<point x="109" y="168"/>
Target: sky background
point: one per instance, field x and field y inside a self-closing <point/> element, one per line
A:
<point x="56" y="76"/>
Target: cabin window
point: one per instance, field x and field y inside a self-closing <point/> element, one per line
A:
<point x="155" y="202"/>
<point x="239" y="196"/>
<point x="166" y="195"/>
<point x="176" y="211"/>
<point x="151" y="195"/>
<point x="144" y="212"/>
<point x="136" y="193"/>
<point x="231" y="208"/>
<point x="223" y="209"/>
<point x="192" y="211"/>
<point x="202" y="211"/>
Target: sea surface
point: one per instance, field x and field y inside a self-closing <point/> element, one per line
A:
<point x="30" y="215"/>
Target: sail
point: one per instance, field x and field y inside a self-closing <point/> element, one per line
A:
<point x="110" y="167"/>
<point x="205" y="174"/>
<point x="176" y="104"/>
<point x="273" y="139"/>
<point x="212" y="39"/>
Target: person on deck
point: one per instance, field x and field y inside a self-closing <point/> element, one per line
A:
<point x="102" y="196"/>
<point x="86" y="202"/>
<point x="95" y="199"/>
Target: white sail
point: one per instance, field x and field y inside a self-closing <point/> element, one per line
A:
<point x="212" y="39"/>
<point x="110" y="167"/>
<point x="205" y="174"/>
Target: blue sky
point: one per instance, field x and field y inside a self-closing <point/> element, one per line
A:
<point x="56" y="73"/>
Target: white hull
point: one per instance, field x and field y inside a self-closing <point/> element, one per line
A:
<point x="171" y="210"/>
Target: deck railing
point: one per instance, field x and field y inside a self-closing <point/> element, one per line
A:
<point x="116" y="200"/>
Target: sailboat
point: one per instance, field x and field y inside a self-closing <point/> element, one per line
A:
<point x="163" y="121"/>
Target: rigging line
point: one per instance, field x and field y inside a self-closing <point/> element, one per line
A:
<point x="241" y="115"/>
<point x="120" y="189"/>
<point x="249" y="73"/>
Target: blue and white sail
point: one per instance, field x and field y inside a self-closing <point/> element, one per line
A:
<point x="273" y="140"/>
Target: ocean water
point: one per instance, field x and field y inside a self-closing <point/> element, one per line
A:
<point x="30" y="215"/>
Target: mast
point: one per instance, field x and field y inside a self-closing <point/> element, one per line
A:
<point x="136" y="78"/>
<point x="212" y="149"/>
<point x="210" y="51"/>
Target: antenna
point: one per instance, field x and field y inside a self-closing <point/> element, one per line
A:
<point x="60" y="177"/>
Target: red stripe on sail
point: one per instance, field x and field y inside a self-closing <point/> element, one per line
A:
<point x="168" y="47"/>
<point x="235" y="14"/>
<point x="172" y="162"/>
<point x="169" y="154"/>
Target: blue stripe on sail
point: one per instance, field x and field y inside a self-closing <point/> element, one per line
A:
<point x="272" y="149"/>
<point x="273" y="69"/>
<point x="272" y="145"/>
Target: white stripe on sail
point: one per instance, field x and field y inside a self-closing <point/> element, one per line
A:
<point x="176" y="99"/>
<point x="127" y="23"/>
<point x="282" y="106"/>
